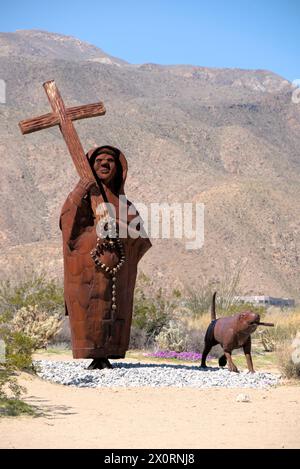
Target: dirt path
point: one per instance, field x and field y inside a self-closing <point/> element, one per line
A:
<point x="154" y="418"/>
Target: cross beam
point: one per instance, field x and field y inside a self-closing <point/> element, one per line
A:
<point x="64" y="117"/>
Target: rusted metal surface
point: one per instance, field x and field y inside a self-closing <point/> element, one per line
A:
<point x="99" y="303"/>
<point x="50" y="120"/>
<point x="64" y="117"/>
<point x="231" y="332"/>
<point x="99" y="274"/>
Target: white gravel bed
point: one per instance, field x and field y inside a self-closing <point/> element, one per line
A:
<point x="75" y="373"/>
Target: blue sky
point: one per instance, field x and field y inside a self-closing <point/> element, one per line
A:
<point x="246" y="34"/>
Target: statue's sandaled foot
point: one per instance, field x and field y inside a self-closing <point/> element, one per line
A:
<point x="99" y="364"/>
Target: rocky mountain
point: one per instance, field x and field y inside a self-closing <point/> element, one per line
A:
<point x="228" y="138"/>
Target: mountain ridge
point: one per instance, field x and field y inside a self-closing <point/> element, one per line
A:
<point x="224" y="136"/>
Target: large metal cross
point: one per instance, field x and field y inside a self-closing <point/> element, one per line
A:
<point x="64" y="117"/>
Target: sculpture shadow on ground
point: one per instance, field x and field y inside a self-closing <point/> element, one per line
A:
<point x="171" y="366"/>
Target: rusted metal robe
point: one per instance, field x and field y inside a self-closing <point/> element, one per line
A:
<point x="87" y="290"/>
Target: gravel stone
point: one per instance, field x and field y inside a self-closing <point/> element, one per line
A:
<point x="123" y="374"/>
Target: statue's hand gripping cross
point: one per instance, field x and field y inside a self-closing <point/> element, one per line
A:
<point x="64" y="117"/>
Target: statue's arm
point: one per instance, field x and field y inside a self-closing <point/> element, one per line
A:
<point x="80" y="191"/>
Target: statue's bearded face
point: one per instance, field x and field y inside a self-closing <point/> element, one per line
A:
<point x="105" y="167"/>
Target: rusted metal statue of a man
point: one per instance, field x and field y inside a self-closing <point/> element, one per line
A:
<point x="100" y="271"/>
<point x="103" y="239"/>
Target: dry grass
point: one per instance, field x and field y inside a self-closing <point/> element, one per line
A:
<point x="286" y="364"/>
<point x="287" y="318"/>
<point x="287" y="324"/>
<point x="281" y="338"/>
<point x="199" y="322"/>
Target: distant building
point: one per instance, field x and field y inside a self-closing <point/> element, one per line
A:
<point x="262" y="300"/>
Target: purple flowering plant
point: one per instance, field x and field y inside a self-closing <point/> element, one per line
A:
<point x="188" y="356"/>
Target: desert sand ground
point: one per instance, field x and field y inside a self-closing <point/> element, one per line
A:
<point x="154" y="418"/>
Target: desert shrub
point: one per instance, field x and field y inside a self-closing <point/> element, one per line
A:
<point x="37" y="325"/>
<point x="16" y="356"/>
<point x="152" y="309"/>
<point x="284" y="339"/>
<point x="19" y="349"/>
<point x="288" y="356"/>
<point x="10" y="389"/>
<point x="267" y="340"/>
<point x="33" y="306"/>
<point x="198" y="303"/>
<point x="198" y="300"/>
<point x="195" y="340"/>
<point x="150" y="315"/>
<point x="138" y="338"/>
<point x="287" y="323"/>
<point x="173" y="336"/>
<point x="181" y="336"/>
<point x="236" y="308"/>
<point x="63" y="336"/>
<point x="47" y="294"/>
<point x="29" y="316"/>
